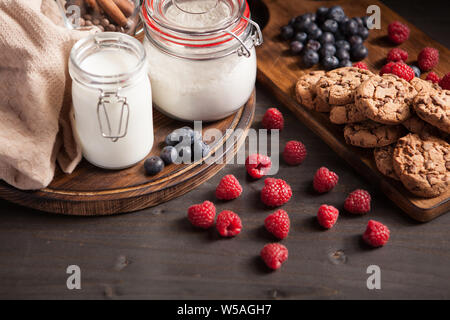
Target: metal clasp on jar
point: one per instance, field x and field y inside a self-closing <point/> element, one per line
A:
<point x="256" y="36"/>
<point x="104" y="99"/>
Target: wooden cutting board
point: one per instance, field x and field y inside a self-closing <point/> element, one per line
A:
<point x="278" y="69"/>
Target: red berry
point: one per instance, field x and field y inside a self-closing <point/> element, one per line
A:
<point x="325" y="180"/>
<point x="445" y="82"/>
<point x="433" y="77"/>
<point x="278" y="224"/>
<point x="273" y="119"/>
<point x="202" y="215"/>
<point x="360" y="65"/>
<point x="398" y="32"/>
<point x="387" y="68"/>
<point x="257" y="165"/>
<point x="294" y="153"/>
<point x="327" y="216"/>
<point x="428" y="58"/>
<point x="397" y="54"/>
<point x="274" y="254"/>
<point x="358" y="202"/>
<point x="402" y="70"/>
<point x="275" y="192"/>
<point x="228" y="188"/>
<point x="228" y="224"/>
<point x="376" y="234"/>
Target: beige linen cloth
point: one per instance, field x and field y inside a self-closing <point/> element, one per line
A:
<point x="35" y="95"/>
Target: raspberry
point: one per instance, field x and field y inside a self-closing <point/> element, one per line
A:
<point x="228" y="188"/>
<point x="273" y="119"/>
<point x="397" y="54"/>
<point x="257" y="165"/>
<point x="358" y="202"/>
<point x="402" y="70"/>
<point x="376" y="234"/>
<point x="445" y="82"/>
<point x="294" y="153"/>
<point x="327" y="216"/>
<point x="278" y="224"/>
<point x="361" y="65"/>
<point x="324" y="180"/>
<point x="433" y="77"/>
<point x="275" y="192"/>
<point x="428" y="58"/>
<point x="274" y="254"/>
<point x="202" y="215"/>
<point x="387" y="68"/>
<point x="228" y="224"/>
<point x="398" y="32"/>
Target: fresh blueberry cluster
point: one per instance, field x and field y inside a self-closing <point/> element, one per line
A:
<point x="327" y="36"/>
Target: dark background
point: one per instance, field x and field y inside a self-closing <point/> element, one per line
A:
<point x="156" y="254"/>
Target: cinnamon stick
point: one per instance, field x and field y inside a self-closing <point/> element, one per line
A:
<point x="113" y="11"/>
<point x="93" y="5"/>
<point x="126" y="6"/>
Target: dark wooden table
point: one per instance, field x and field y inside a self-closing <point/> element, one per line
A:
<point x="156" y="254"/>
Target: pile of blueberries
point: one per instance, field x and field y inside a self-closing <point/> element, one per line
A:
<point x="327" y="36"/>
<point x="183" y="145"/>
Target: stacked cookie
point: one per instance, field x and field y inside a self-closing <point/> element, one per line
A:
<point x="378" y="112"/>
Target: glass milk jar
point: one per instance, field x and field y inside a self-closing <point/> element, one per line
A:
<point x="201" y="56"/>
<point x="112" y="99"/>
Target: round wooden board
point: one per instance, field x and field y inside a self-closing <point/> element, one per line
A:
<point x="93" y="191"/>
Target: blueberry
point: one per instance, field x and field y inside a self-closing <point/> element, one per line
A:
<point x="330" y="62"/>
<point x="342" y="44"/>
<point x="300" y="37"/>
<point x="296" y="47"/>
<point x="338" y="35"/>
<point x="291" y="22"/>
<point x="302" y="25"/>
<point x="359" y="21"/>
<point x="355" y="40"/>
<point x="153" y="165"/>
<point x="351" y="27"/>
<point x="345" y="63"/>
<point x="311" y="28"/>
<point x="175" y="137"/>
<point x="364" y="21"/>
<point x="315" y="34"/>
<point x="313" y="45"/>
<point x="327" y="50"/>
<point x="359" y="52"/>
<point x="287" y="32"/>
<point x="363" y="32"/>
<point x="169" y="154"/>
<point x="416" y="70"/>
<point x="310" y="58"/>
<point x="313" y="16"/>
<point x="330" y="26"/>
<point x="184" y="152"/>
<point x="321" y="14"/>
<point x="326" y="37"/>
<point x="342" y="54"/>
<point x="336" y="13"/>
<point x="304" y="17"/>
<point x="199" y="150"/>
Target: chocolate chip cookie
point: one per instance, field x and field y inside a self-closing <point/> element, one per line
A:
<point x="433" y="106"/>
<point x="383" y="159"/>
<point x="348" y="113"/>
<point x="420" y="84"/>
<point x="321" y="105"/>
<point x="370" y="134"/>
<point x="420" y="127"/>
<point x="338" y="86"/>
<point x="304" y="88"/>
<point x="423" y="164"/>
<point x="385" y="99"/>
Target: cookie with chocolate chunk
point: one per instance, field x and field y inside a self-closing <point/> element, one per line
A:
<point x="304" y="88"/>
<point x="433" y="106"/>
<point x="321" y="105"/>
<point x="416" y="125"/>
<point x="383" y="159"/>
<point x="348" y="113"/>
<point x="370" y="134"/>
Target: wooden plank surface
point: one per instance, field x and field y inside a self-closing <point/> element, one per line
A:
<point x="278" y="69"/>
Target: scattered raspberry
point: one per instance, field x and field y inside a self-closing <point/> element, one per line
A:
<point x="274" y="254"/>
<point x="273" y="119"/>
<point x="257" y="165"/>
<point x="433" y="77"/>
<point x="428" y="58"/>
<point x="377" y="234"/>
<point x="294" y="153"/>
<point x="387" y="68"/>
<point x="404" y="71"/>
<point x="327" y="216"/>
<point x="397" y="54"/>
<point x="398" y="32"/>
<point x="324" y="180"/>
<point x="360" y="65"/>
<point x="228" y="224"/>
<point x="275" y="192"/>
<point x="358" y="202"/>
<point x="228" y="188"/>
<point x="202" y="215"/>
<point x="445" y="82"/>
<point x="278" y="224"/>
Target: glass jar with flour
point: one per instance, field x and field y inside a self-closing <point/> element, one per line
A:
<point x="201" y="55"/>
<point x="112" y="99"/>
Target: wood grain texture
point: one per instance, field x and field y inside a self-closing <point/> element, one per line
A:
<point x="93" y="191"/>
<point x="279" y="70"/>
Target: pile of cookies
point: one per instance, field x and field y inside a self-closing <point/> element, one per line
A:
<point x="406" y="123"/>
